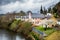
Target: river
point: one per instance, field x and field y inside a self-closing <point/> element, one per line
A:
<point x="8" y="35"/>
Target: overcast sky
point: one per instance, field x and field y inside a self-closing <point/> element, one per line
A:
<point x="25" y="5"/>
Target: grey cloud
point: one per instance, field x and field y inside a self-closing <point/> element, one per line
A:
<point x="39" y="1"/>
<point x="3" y="2"/>
<point x="25" y="5"/>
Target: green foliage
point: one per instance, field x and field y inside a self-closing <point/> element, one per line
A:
<point x="14" y="25"/>
<point x="35" y="36"/>
<point x="43" y="11"/>
<point x="49" y="10"/>
<point x="27" y="24"/>
<point x="24" y="27"/>
<point x="54" y="10"/>
<point x="56" y="15"/>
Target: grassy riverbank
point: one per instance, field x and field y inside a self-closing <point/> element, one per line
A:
<point x="48" y="31"/>
<point x="54" y="36"/>
<point x="18" y="26"/>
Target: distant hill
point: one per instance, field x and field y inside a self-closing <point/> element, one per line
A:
<point x="2" y="14"/>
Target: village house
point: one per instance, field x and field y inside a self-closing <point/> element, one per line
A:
<point x="37" y="19"/>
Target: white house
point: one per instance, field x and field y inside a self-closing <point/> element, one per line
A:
<point x="34" y="18"/>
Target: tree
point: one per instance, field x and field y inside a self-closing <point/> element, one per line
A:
<point x="54" y="10"/>
<point x="58" y="8"/>
<point x="41" y="10"/>
<point x="14" y="25"/>
<point x="22" y="13"/>
<point x="25" y="27"/>
<point x="49" y="10"/>
<point x="29" y="12"/>
<point x="45" y="11"/>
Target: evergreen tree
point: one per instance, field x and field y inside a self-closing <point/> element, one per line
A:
<point x="45" y="11"/>
<point x="49" y="10"/>
<point x="41" y="10"/>
<point x="54" y="10"/>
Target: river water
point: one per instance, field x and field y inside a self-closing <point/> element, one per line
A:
<point x="8" y="35"/>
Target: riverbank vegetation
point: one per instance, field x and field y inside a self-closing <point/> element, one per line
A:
<point x="17" y="26"/>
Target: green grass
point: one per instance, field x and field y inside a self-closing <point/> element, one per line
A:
<point x="40" y="28"/>
<point x="54" y="36"/>
<point x="48" y="31"/>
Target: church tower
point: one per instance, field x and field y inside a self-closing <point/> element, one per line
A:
<point x="30" y="15"/>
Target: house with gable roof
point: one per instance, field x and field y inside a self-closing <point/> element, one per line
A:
<point x="35" y="18"/>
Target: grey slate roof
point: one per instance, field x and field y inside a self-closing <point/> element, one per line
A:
<point x="35" y="15"/>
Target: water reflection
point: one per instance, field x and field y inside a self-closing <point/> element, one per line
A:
<point x="19" y="38"/>
<point x="8" y="35"/>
